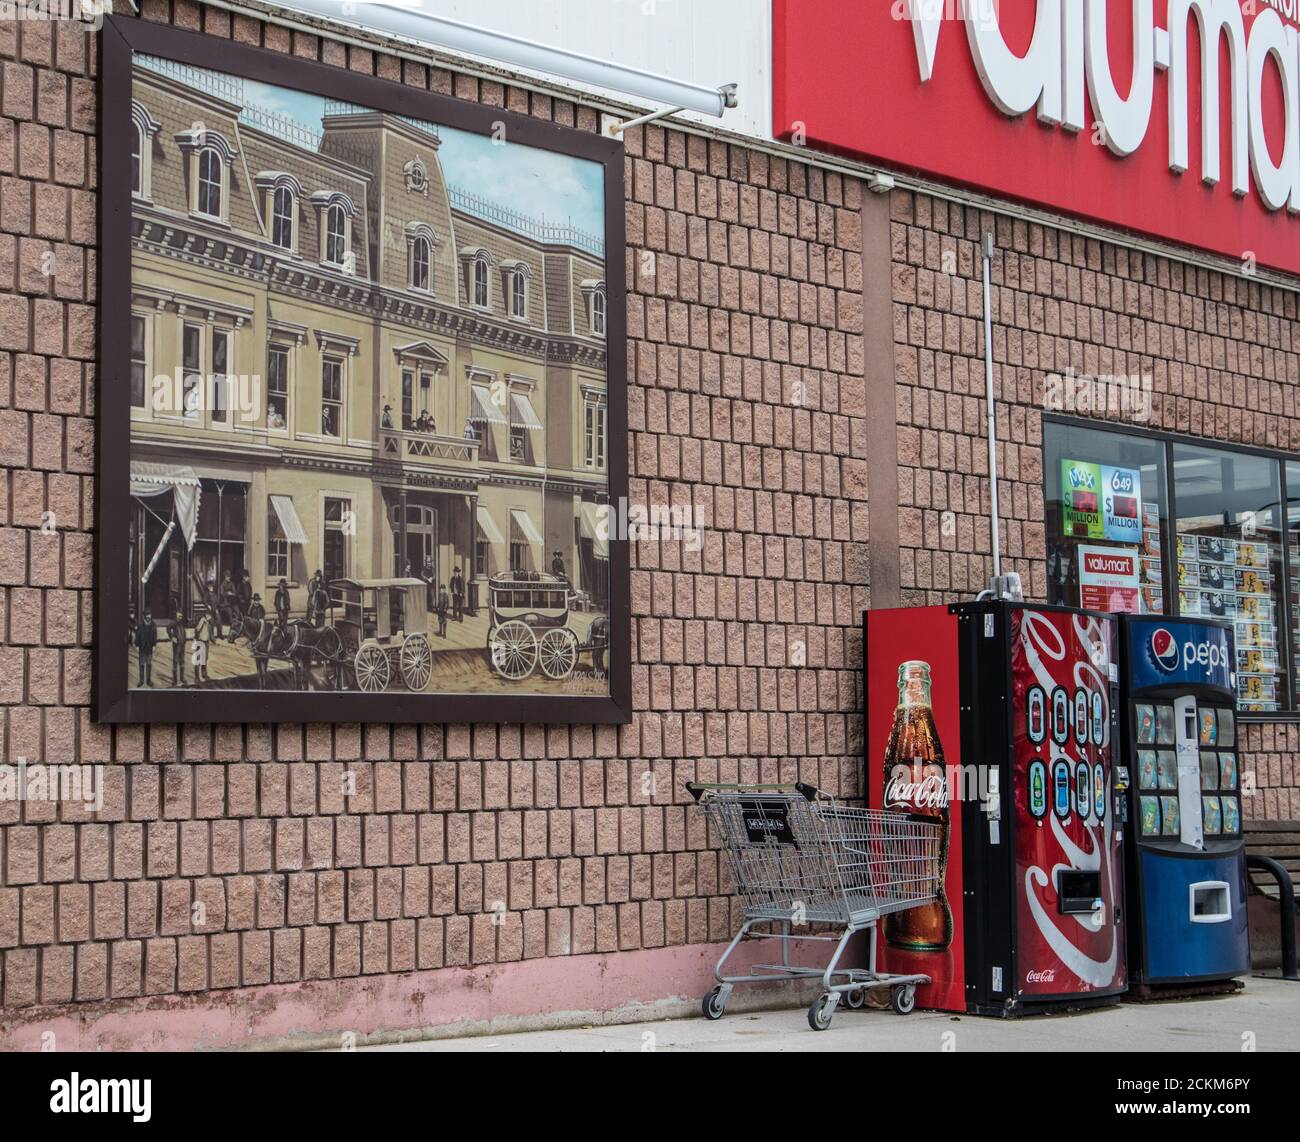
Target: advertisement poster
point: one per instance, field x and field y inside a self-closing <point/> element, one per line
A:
<point x="1061" y="662"/>
<point x="1101" y="501"/>
<point x="931" y="939"/>
<point x="1108" y="580"/>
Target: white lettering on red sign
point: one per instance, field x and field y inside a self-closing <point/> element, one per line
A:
<point x="1069" y="47"/>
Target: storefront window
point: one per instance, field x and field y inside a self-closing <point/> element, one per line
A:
<point x="1105" y="520"/>
<point x="1210" y="546"/>
<point x="1293" y="554"/>
<point x="1229" y="545"/>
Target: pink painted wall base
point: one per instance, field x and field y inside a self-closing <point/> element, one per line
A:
<point x="530" y="994"/>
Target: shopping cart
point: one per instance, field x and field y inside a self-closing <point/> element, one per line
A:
<point x="800" y="858"/>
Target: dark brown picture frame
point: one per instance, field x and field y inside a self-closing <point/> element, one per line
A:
<point x="114" y="700"/>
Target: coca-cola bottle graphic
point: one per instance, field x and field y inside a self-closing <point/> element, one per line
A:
<point x="916" y="782"/>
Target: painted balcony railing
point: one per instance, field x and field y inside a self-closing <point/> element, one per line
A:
<point x="411" y="446"/>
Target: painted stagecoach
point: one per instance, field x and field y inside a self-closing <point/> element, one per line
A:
<point x="528" y="627"/>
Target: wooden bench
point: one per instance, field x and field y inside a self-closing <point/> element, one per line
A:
<point x="1279" y="840"/>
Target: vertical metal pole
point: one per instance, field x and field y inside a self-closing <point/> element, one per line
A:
<point x="992" y="406"/>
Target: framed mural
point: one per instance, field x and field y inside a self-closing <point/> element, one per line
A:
<point x="361" y="398"/>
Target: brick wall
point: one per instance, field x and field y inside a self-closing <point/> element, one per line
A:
<point x="461" y="845"/>
<point x="753" y="398"/>
<point x="1223" y="353"/>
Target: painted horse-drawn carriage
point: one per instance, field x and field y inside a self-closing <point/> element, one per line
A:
<point x="373" y="631"/>
<point x="383" y="625"/>
<point x="528" y="627"/>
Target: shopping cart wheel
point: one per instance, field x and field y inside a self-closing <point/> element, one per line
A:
<point x="902" y="998"/>
<point x="715" y="1003"/>
<point x="821" y="1010"/>
<point x="855" y="998"/>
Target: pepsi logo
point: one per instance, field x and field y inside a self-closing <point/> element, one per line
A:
<point x="1164" y="650"/>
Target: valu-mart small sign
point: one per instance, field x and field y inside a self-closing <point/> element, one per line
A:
<point x="1120" y="111"/>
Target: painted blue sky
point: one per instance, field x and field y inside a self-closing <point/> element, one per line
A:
<point x="538" y="183"/>
<point x="541" y="184"/>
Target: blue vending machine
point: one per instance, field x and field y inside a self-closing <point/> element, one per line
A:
<point x="1184" y="854"/>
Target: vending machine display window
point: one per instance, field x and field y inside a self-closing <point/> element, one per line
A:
<point x="1167" y="767"/>
<point x="1211" y="815"/>
<point x="1227" y="771"/>
<point x="1150" y="816"/>
<point x="1171" y="817"/>
<point x="1147" y="771"/>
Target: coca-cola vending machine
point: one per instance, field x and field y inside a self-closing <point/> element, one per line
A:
<point x="999" y="718"/>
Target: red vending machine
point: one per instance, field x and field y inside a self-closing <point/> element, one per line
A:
<point x="999" y="718"/>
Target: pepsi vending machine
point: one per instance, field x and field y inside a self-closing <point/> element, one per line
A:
<point x="999" y="718"/>
<point x="1185" y="854"/>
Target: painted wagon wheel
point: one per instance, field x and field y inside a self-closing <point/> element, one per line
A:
<point x="371" y="668"/>
<point x="557" y="653"/>
<point x="416" y="662"/>
<point x="513" y="650"/>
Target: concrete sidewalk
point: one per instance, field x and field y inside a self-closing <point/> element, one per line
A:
<point x="1268" y="1010"/>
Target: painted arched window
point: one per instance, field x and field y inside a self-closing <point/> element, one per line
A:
<point x="336" y="224"/>
<point x="598" y="313"/>
<point x="137" y="158"/>
<point x="518" y="294"/>
<point x="421" y="255"/>
<point x="282" y="209"/>
<point x="481" y="283"/>
<point x="210" y="182"/>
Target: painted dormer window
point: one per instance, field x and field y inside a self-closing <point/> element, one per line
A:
<point x="514" y="279"/>
<point x="480" y="283"/>
<point x="282" y="211"/>
<point x="477" y="265"/>
<point x="280" y="193"/>
<point x="420" y="244"/>
<point x="209" y="158"/>
<point x="143" y="128"/>
<point x="335" y="211"/>
<point x="593" y="294"/>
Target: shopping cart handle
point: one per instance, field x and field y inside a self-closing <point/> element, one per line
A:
<point x="696" y="790"/>
<point x="811" y="792"/>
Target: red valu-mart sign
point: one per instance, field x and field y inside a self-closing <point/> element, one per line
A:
<point x="1098" y="108"/>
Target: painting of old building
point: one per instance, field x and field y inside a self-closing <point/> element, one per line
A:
<point x="369" y="410"/>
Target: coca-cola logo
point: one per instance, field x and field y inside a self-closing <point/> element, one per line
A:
<point x="1046" y="975"/>
<point x="929" y="793"/>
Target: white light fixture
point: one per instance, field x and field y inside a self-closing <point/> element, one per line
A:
<point x="410" y="22"/>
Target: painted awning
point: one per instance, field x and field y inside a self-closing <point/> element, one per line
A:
<point x="522" y="414"/>
<point x="593" y="519"/>
<point x="481" y="408"/>
<point x="287" y="514"/>
<point x="521" y="520"/>
<point x="149" y="480"/>
<point x="487" y="525"/>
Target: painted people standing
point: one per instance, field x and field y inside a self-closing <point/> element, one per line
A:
<point x="211" y="602"/>
<point x="203" y="628"/>
<point x="427" y="575"/>
<point x="255" y="609"/>
<point x="458" y="596"/>
<point x="282" y="603"/>
<point x="387" y="421"/>
<point x="177" y="635"/>
<point x="557" y="565"/>
<point x="317" y="600"/>
<point x="245" y="591"/>
<point x="228" y="600"/>
<point x="146" y="638"/>
<point x="441" y="610"/>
